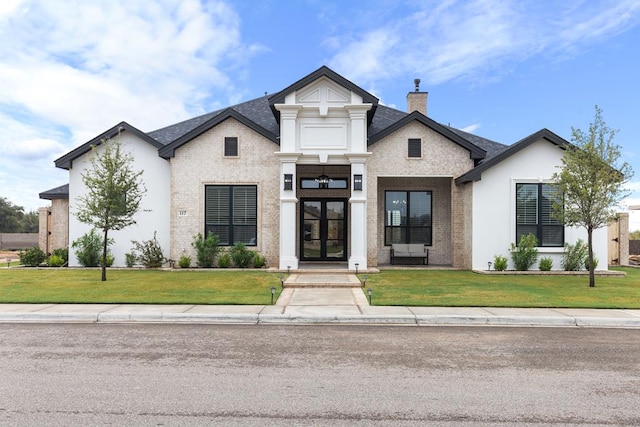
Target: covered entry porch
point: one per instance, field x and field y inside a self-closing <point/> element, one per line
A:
<point x="415" y="210"/>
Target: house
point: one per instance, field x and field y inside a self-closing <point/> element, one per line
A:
<point x="320" y="171"/>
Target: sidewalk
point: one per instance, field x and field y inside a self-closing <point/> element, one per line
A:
<point x="301" y="311"/>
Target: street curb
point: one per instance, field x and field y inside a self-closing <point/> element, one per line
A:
<point x="315" y="319"/>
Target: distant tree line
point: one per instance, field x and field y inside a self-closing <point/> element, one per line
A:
<point x="634" y="235"/>
<point x="13" y="219"/>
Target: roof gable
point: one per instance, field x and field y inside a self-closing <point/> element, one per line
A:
<point x="475" y="174"/>
<point x="475" y="152"/>
<point x="169" y="150"/>
<point x="326" y="72"/>
<point x="66" y="161"/>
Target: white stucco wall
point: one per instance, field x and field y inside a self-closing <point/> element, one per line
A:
<point x="154" y="209"/>
<point x="494" y="200"/>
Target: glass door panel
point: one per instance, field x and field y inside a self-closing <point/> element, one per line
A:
<point x="324" y="230"/>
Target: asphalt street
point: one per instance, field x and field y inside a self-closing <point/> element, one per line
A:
<point x="145" y="374"/>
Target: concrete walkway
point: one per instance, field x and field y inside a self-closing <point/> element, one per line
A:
<point x="311" y="299"/>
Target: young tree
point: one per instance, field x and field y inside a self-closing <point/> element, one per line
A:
<point x="114" y="192"/>
<point x="591" y="180"/>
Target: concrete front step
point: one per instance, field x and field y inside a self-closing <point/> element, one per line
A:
<point x="325" y="280"/>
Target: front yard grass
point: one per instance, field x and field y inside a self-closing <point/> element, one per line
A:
<point x="468" y="289"/>
<point x="391" y="287"/>
<point x="70" y="285"/>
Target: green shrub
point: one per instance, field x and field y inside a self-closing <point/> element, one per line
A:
<point x="586" y="261"/>
<point x="241" y="256"/>
<point x="500" y="262"/>
<point x="224" y="260"/>
<point x="525" y="254"/>
<point x="130" y="259"/>
<point x="150" y="253"/>
<point x="110" y="259"/>
<point x="55" y="261"/>
<point x="259" y="261"/>
<point x="32" y="257"/>
<point x="206" y="249"/>
<point x="62" y="253"/>
<point x="89" y="249"/>
<point x="546" y="264"/>
<point x="574" y="256"/>
<point x="184" y="261"/>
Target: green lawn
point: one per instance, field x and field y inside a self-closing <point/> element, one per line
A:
<point x="26" y="285"/>
<point x="395" y="287"/>
<point x="467" y="289"/>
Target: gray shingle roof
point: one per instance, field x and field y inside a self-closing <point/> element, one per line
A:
<point x="61" y="192"/>
<point x="257" y="110"/>
<point x="260" y="116"/>
<point x="492" y="148"/>
<point x="475" y="174"/>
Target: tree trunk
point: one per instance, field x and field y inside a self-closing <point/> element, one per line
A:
<point x="592" y="272"/>
<point x="104" y="257"/>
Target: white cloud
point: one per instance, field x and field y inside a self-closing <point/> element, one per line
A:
<point x="75" y="68"/>
<point x="476" y="40"/>
<point x="133" y="60"/>
<point x="471" y="128"/>
<point x="8" y="7"/>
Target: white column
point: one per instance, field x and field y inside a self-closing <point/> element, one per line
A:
<point x="288" y="200"/>
<point x="288" y="203"/>
<point x="358" y="200"/>
<point x="358" y="218"/>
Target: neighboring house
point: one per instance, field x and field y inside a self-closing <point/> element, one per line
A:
<point x="53" y="221"/>
<point x="321" y="172"/>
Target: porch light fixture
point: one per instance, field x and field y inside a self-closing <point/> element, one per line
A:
<point x="323" y="181"/>
<point x="273" y="292"/>
<point x="288" y="181"/>
<point x="369" y="293"/>
<point x="357" y="182"/>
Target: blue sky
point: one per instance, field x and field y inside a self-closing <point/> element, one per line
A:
<point x="502" y="69"/>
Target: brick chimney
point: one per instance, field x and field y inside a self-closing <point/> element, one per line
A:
<point x="417" y="101"/>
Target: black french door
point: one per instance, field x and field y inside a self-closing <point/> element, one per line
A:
<point x="323" y="230"/>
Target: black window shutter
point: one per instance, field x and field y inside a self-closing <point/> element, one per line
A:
<point x="231" y="146"/>
<point x="415" y="147"/>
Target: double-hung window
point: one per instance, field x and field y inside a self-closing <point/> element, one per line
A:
<point x="231" y="213"/>
<point x="534" y="214"/>
<point x="408" y="217"/>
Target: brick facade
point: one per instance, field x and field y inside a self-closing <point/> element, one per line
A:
<point x="390" y="168"/>
<point x="202" y="162"/>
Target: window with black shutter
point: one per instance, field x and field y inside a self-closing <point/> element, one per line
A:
<point x="231" y="146"/>
<point x="534" y="214"/>
<point x="231" y="213"/>
<point x="415" y="147"/>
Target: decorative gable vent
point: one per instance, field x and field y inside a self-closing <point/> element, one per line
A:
<point x="415" y="147"/>
<point x="231" y="146"/>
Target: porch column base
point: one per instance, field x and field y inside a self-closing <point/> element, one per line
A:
<point x="362" y="264"/>
<point x="289" y="263"/>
